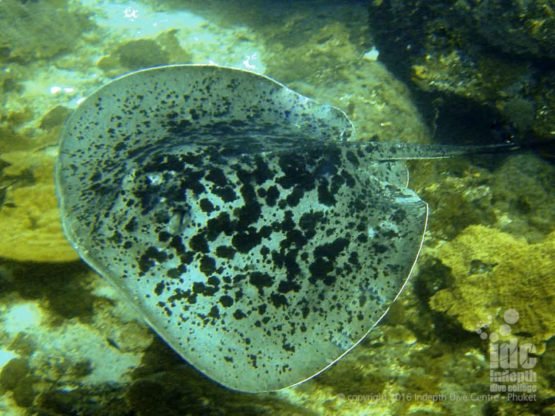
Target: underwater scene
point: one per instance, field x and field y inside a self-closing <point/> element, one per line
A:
<point x="206" y="207"/>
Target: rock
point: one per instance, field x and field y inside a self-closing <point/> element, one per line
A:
<point x="480" y="57"/>
<point x="523" y="189"/>
<point x="141" y="53"/>
<point x="378" y="104"/>
<point x="525" y="28"/>
<point x="13" y="372"/>
<point x="54" y="118"/>
<point x="34" y="30"/>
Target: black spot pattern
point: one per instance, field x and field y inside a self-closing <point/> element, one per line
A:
<point x="250" y="244"/>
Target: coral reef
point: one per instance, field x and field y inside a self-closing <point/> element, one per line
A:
<point x="493" y="272"/>
<point x="29" y="216"/>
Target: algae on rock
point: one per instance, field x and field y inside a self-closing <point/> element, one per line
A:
<point x="494" y="272"/>
<point x="378" y="104"/>
<point x="31" y="30"/>
<point x="524" y="190"/>
<point x="145" y="52"/>
<point x="489" y="55"/>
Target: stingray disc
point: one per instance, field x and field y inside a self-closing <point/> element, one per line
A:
<point x="234" y="215"/>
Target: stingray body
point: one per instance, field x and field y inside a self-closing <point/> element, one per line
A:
<point x="238" y="217"/>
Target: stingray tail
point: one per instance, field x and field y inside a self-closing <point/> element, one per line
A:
<point x="407" y="151"/>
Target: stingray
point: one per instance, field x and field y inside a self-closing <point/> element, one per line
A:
<point x="241" y="219"/>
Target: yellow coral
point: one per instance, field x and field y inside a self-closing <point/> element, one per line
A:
<point x="29" y="218"/>
<point x="495" y="272"/>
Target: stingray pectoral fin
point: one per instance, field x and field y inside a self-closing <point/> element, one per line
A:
<point x="232" y="215"/>
<point x="260" y="294"/>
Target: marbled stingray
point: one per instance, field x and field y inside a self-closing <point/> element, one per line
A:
<point x="239" y="217"/>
